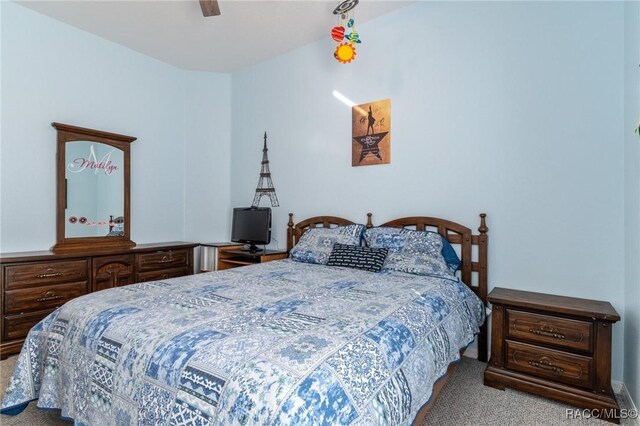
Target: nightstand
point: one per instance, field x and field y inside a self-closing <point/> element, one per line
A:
<point x="554" y="346"/>
<point x="209" y="253"/>
<point x="230" y="257"/>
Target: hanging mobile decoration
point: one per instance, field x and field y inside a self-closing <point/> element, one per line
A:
<point x="345" y="51"/>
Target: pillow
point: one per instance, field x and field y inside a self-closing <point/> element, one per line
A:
<point x="316" y="244"/>
<point x="448" y="252"/>
<point x="357" y="257"/>
<point x="414" y="252"/>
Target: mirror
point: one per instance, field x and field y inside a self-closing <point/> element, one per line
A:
<point x="93" y="190"/>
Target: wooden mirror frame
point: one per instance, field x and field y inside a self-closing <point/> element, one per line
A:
<point x="68" y="133"/>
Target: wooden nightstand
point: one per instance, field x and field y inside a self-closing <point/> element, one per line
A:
<point x="209" y="253"/>
<point x="553" y="346"/>
<point x="232" y="257"/>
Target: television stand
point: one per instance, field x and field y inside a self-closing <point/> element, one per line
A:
<point x="253" y="249"/>
<point x="236" y="256"/>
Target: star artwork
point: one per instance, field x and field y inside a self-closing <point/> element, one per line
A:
<point x="371" y="133"/>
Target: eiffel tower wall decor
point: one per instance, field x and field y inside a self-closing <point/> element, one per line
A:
<point x="265" y="184"/>
<point x="371" y="133"/>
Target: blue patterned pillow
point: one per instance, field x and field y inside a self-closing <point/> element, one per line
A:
<point x="316" y="244"/>
<point x="357" y="257"/>
<point x="448" y="252"/>
<point x="415" y="252"/>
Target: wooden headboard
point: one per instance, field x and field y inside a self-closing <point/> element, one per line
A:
<point x="295" y="230"/>
<point x="456" y="234"/>
<point x="460" y="235"/>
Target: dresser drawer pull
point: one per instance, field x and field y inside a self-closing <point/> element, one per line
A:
<point x="546" y="366"/>
<point x="49" y="296"/>
<point x="548" y="332"/>
<point x="49" y="274"/>
<point x="165" y="259"/>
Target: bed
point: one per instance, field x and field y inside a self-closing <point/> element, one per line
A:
<point x="277" y="343"/>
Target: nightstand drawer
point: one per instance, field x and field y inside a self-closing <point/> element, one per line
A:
<point x="563" y="332"/>
<point x="558" y="366"/>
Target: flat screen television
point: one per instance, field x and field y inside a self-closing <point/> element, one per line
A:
<point x="251" y="226"/>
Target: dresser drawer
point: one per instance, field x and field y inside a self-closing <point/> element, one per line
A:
<point x="562" y="332"/>
<point x="558" y="366"/>
<point x="40" y="298"/>
<point x="18" y="326"/>
<point x="28" y="275"/>
<point x="168" y="259"/>
<point x="162" y="275"/>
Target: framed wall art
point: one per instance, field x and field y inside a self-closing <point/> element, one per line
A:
<point x="371" y="133"/>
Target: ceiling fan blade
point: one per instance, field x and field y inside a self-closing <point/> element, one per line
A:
<point x="209" y="7"/>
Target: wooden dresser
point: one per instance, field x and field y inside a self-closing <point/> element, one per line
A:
<point x="35" y="283"/>
<point x="554" y="346"/>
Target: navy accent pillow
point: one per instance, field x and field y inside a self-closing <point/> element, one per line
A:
<point x="450" y="255"/>
<point x="358" y="257"/>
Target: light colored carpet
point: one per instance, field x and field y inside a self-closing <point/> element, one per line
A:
<point x="463" y="401"/>
<point x="466" y="401"/>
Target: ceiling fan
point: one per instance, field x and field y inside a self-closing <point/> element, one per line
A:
<point x="210" y="7"/>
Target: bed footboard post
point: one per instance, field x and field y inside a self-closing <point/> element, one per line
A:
<point x="483" y="241"/>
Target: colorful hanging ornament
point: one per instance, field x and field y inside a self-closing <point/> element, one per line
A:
<point x="353" y="36"/>
<point x="345" y="51"/>
<point x="337" y="33"/>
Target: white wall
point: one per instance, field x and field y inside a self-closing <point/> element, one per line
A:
<point x="54" y="72"/>
<point x="514" y="109"/>
<point x="208" y="153"/>
<point x="632" y="200"/>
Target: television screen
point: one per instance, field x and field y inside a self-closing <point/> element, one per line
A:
<point x="251" y="226"/>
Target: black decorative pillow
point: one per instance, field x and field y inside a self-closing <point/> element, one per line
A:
<point x="357" y="257"/>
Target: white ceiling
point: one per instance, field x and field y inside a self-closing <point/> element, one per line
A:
<point x="175" y="32"/>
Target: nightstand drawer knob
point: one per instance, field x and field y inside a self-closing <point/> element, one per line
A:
<point x="548" y="332"/>
<point x="546" y="366"/>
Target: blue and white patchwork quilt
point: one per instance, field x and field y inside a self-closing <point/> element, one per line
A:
<point x="279" y="343"/>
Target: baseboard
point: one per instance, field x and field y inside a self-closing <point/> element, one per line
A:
<point x="616" y="386"/>
<point x="620" y="389"/>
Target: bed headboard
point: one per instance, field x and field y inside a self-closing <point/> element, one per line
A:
<point x="456" y="234"/>
<point x="295" y="230"/>
<point x="460" y="235"/>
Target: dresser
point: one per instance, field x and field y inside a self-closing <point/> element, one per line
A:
<point x="553" y="346"/>
<point x="35" y="283"/>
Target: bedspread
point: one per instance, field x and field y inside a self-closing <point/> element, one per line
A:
<point x="276" y="343"/>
